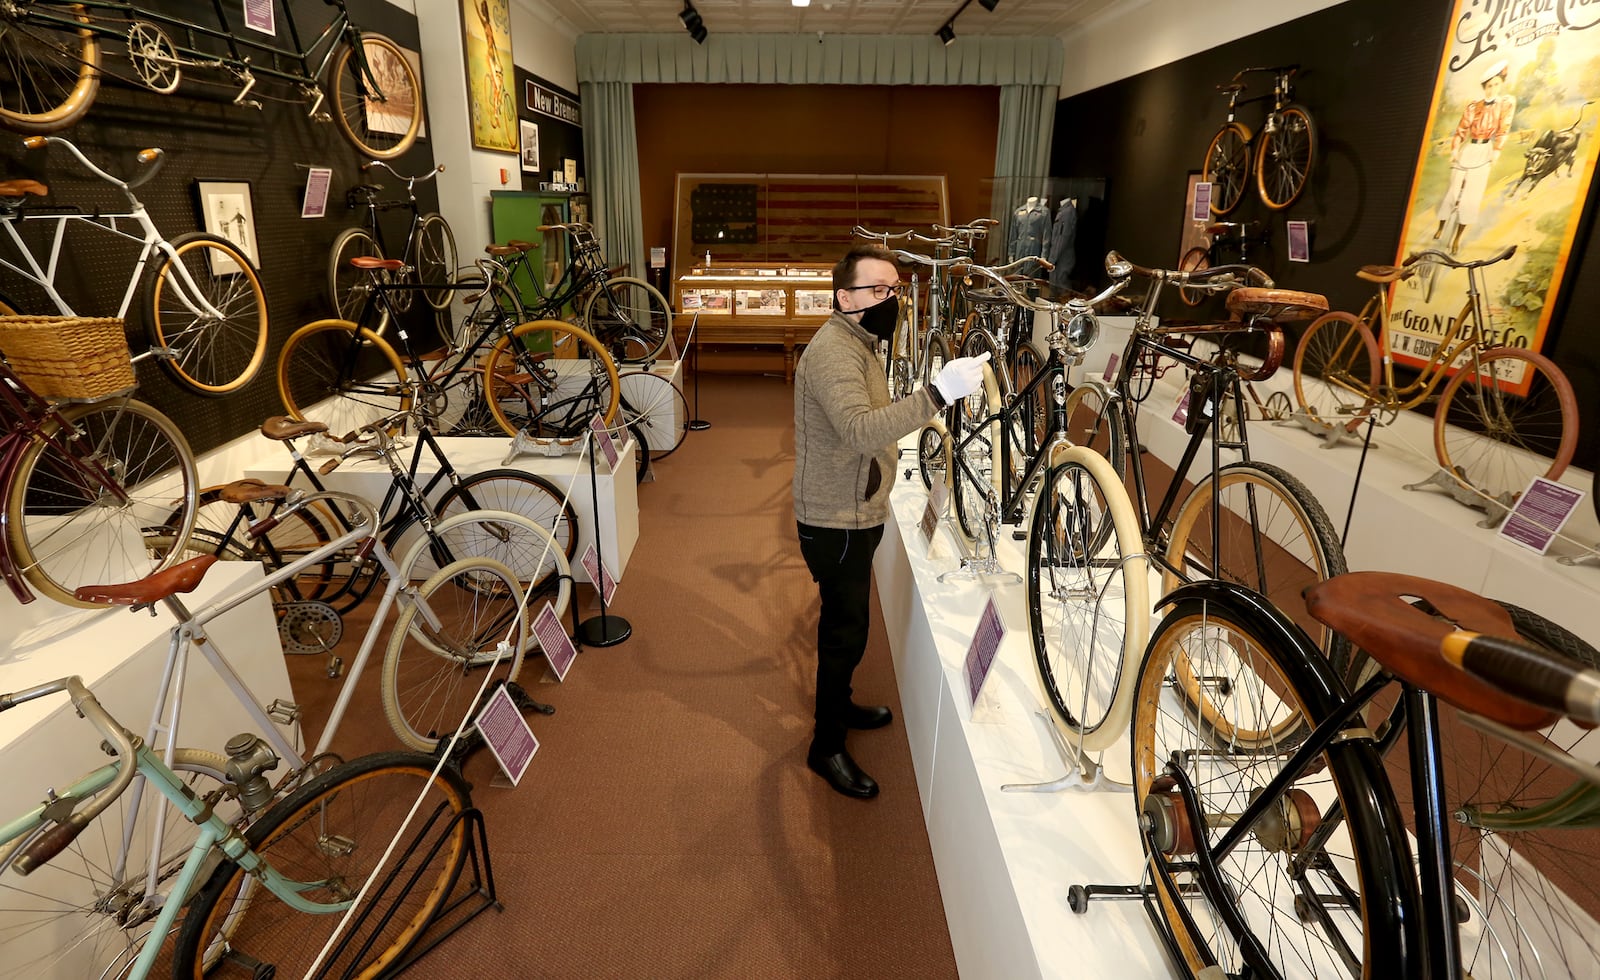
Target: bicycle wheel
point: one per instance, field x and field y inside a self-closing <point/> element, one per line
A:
<point x="631" y="317"/>
<point x="435" y="664"/>
<point x="1034" y="420"/>
<point x="435" y="251"/>
<point x="933" y="456"/>
<point x="76" y="916"/>
<point x="1227" y="167"/>
<point x="1088" y="597"/>
<point x="1524" y="834"/>
<point x="1195" y="260"/>
<point x="1317" y="894"/>
<point x="546" y="397"/>
<point x="346" y="376"/>
<point x="534" y="556"/>
<point x="936" y="351"/>
<point x="211" y="355"/>
<point x="1273" y="537"/>
<point x="1338" y="350"/>
<point x="221" y="529"/>
<point x="349" y="288"/>
<point x="974" y="440"/>
<point x="1093" y="420"/>
<point x="653" y="405"/>
<point x="382" y="128"/>
<point x="1285" y="156"/>
<point x="329" y="836"/>
<point x="522" y="493"/>
<point x="49" y="76"/>
<point x="1495" y="441"/>
<point x="68" y="528"/>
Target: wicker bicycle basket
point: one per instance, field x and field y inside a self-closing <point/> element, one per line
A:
<point x="68" y="358"/>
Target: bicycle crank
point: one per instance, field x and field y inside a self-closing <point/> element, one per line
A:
<point x="308" y="627"/>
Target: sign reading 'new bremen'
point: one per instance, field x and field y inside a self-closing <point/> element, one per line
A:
<point x="554" y="104"/>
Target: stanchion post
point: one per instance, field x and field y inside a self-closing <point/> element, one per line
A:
<point x="604" y="630"/>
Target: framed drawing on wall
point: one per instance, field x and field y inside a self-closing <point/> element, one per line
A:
<point x="486" y="34"/>
<point x="1508" y="157"/>
<point x="392" y="113"/>
<point x="226" y="210"/>
<point x="530" y="146"/>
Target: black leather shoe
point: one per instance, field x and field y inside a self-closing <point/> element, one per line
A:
<point x="841" y="772"/>
<point x="864" y="717"/>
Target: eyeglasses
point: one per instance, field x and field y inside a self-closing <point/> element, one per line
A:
<point x="878" y="291"/>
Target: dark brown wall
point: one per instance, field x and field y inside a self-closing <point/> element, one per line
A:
<point x="813" y="129"/>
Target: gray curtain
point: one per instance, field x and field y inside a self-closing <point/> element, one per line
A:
<point x="1021" y="153"/>
<point x="1028" y="71"/>
<point x="612" y="154"/>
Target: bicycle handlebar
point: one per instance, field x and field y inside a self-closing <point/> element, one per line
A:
<point x="880" y="236"/>
<point x="153" y="159"/>
<point x="1528" y="672"/>
<point x="56" y="839"/>
<point x="1218" y="278"/>
<point x="1446" y="259"/>
<point x="1073" y="306"/>
<point x="410" y="181"/>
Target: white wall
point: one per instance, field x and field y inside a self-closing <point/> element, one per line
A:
<point x="1138" y="35"/>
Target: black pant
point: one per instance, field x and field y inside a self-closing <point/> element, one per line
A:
<point x="841" y="564"/>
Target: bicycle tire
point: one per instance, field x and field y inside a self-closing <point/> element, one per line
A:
<point x="1304" y="549"/>
<point x="1088" y="598"/>
<point x="655" y="406"/>
<point x="631" y="317"/>
<point x="1026" y="363"/>
<point x="432" y="667"/>
<point x="1285" y="157"/>
<point x="933" y="457"/>
<point x="1266" y="687"/>
<point x="344" y="805"/>
<point x="526" y="547"/>
<point x="1340" y="352"/>
<point x="353" y="113"/>
<point x="1496" y="442"/>
<point x="1197" y="259"/>
<point x="937" y="352"/>
<point x="349" y="288"/>
<point x="973" y="480"/>
<point x="900" y="355"/>
<point x="1227" y="167"/>
<point x="345" y="376"/>
<point x="63" y="536"/>
<point x="102" y="935"/>
<point x="512" y="377"/>
<point x="49" y="77"/>
<point x="520" y="492"/>
<point x="209" y="357"/>
<point x="1093" y="420"/>
<point x="436" y="258"/>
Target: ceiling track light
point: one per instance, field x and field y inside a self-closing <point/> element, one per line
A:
<point x="989" y="5"/>
<point x="692" y="22"/>
<point x="947" y="33"/>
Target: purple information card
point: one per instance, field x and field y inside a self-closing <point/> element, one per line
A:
<point x="1111" y="367"/>
<point x="259" y="16"/>
<point x="1540" y="513"/>
<point x="555" y="642"/>
<point x="603" y="439"/>
<point x="1181" y="414"/>
<point x="1299" y="241"/>
<point x="985" y="644"/>
<point x="507" y="734"/>
<point x="598" y="572"/>
<point x="1202" y="202"/>
<point x="315" y="203"/>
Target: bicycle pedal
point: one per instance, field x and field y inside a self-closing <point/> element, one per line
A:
<point x="1019" y="534"/>
<point x="283" y="712"/>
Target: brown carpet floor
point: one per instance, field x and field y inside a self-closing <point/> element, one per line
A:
<point x="668" y="826"/>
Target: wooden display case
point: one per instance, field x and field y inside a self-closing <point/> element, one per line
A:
<point x="755" y="305"/>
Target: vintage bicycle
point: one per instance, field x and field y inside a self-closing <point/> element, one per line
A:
<point x="1279" y="156"/>
<point x="428" y="256"/>
<point x="1338" y="853"/>
<point x="1505" y="414"/>
<point x="203" y="306"/>
<point x="52" y="56"/>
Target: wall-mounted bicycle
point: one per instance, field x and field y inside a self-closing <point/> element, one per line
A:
<point x="53" y="54"/>
<point x="1279" y="155"/>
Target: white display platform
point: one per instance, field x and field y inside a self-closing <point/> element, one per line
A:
<point x="1004" y="859"/>
<point x="120" y="656"/>
<point x="618" y="493"/>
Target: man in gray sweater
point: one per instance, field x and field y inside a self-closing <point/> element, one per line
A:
<point x="845" y="431"/>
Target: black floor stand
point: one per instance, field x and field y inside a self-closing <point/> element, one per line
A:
<point x="604" y="630"/>
<point x="696" y="424"/>
<point x="478" y="896"/>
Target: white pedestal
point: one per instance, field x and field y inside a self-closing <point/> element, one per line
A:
<point x="673" y="422"/>
<point x="618" y="492"/>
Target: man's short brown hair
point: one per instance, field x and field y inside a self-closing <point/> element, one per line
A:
<point x="844" y="270"/>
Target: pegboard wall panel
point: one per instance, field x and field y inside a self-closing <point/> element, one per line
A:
<point x="205" y="137"/>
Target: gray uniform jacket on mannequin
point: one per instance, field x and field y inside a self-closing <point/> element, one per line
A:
<point x="845" y="429"/>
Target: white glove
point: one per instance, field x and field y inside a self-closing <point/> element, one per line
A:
<point x="961" y="377"/>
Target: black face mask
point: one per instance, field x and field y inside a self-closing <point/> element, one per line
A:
<point x="879" y="320"/>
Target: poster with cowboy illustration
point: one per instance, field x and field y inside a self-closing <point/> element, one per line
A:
<point x="1506" y="160"/>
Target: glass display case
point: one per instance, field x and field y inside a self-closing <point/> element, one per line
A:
<point x="752" y="304"/>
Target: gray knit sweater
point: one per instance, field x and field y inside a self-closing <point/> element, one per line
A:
<point x="845" y="429"/>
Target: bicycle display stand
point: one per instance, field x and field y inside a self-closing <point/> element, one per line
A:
<point x="480" y="894"/>
<point x="696" y="424"/>
<point x="1083" y="773"/>
<point x="1495" y="508"/>
<point x="604" y="630"/>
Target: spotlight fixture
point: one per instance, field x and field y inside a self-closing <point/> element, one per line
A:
<point x="692" y="22"/>
<point x="989" y="5"/>
<point x="947" y="34"/>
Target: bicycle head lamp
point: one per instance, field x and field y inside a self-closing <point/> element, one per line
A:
<point x="1079" y="330"/>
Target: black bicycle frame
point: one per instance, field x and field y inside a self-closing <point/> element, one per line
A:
<point x="1055" y="370"/>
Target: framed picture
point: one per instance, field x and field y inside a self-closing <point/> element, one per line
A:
<point x="226" y="210"/>
<point x="1196" y="215"/>
<point x="530" y="146"/>
<point x="486" y="34"/>
<point x="393" y="115"/>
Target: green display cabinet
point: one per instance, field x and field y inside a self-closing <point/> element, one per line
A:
<point x="517" y="215"/>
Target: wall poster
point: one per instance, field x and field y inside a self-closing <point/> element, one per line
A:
<point x="486" y="33"/>
<point x="1507" y="158"/>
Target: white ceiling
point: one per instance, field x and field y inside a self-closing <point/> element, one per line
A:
<point x="1037" y="18"/>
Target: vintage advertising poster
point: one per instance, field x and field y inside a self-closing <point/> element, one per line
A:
<point x="486" y="32"/>
<point x="1507" y="159"/>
